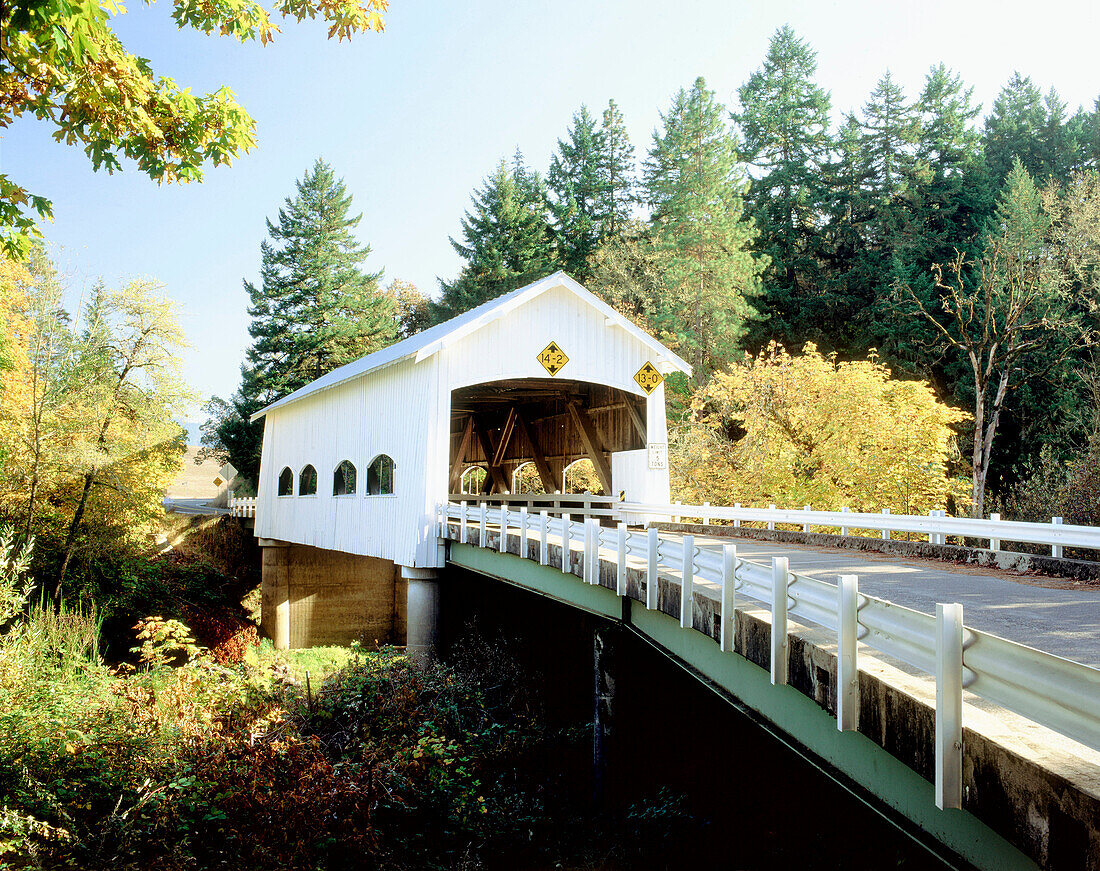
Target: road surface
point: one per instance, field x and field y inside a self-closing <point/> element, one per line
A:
<point x="1065" y="622"/>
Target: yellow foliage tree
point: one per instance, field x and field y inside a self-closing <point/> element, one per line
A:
<point x="16" y="334"/>
<point x="807" y="429"/>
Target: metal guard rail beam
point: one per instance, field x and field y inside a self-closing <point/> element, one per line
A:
<point x="1055" y="534"/>
<point x="1057" y="693"/>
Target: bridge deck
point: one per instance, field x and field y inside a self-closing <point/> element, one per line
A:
<point x="1065" y="622"/>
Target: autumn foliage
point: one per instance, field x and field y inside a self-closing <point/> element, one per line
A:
<point x="808" y="429"/>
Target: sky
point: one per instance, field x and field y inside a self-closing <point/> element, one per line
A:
<point x="415" y="118"/>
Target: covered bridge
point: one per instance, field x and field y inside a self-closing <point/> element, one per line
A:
<point x="355" y="463"/>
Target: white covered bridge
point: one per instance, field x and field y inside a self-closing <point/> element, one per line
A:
<point x="984" y="746"/>
<point x="355" y="464"/>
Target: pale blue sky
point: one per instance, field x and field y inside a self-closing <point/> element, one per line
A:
<point x="415" y="118"/>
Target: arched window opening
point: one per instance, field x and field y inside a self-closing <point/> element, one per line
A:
<point x="307" y="481"/>
<point x="343" y="479"/>
<point x="526" y="479"/>
<point x="286" y="482"/>
<point x="581" y="477"/>
<point x="473" y="479"/>
<point x="380" y="476"/>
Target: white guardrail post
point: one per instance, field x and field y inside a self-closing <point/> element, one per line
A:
<point x="484" y="539"/>
<point x="1056" y="549"/>
<point x="503" y="527"/>
<point x="771" y="523"/>
<point x="737" y="521"/>
<point x="806" y="525"/>
<point x="687" y="588"/>
<point x="886" y="532"/>
<point x="592" y="550"/>
<point x="847" y="666"/>
<point x="779" y="619"/>
<point x="463" y="520"/>
<point x="728" y="629"/>
<point x="995" y="543"/>
<point x="544" y="552"/>
<point x="620" y="570"/>
<point x="523" y="532"/>
<point x="652" y="542"/>
<point x="844" y="529"/>
<point x="566" y="544"/>
<point x="949" y="689"/>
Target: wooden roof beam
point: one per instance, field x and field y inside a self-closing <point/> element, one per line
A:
<point x="591" y="438"/>
<point x="537" y="457"/>
<point x="505" y="437"/>
<point x="636" y="419"/>
<point x="460" y="457"/>
<point x="495" y="476"/>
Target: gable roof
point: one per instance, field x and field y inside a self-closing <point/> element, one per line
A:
<point x="432" y="340"/>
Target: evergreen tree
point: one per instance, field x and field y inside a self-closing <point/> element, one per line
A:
<point x="1091" y="138"/>
<point x="852" y="208"/>
<point x="948" y="201"/>
<point x="890" y="131"/>
<point x="888" y="138"/>
<point x="695" y="188"/>
<point x="575" y="182"/>
<point x="617" y="195"/>
<point x="784" y="120"/>
<point x="507" y="240"/>
<point x="314" y="310"/>
<point x="591" y="179"/>
<point x="1014" y="129"/>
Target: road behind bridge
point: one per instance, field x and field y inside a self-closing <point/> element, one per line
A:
<point x="1065" y="622"/>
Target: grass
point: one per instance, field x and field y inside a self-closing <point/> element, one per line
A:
<point x="318" y="662"/>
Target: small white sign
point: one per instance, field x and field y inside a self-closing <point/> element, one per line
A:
<point x="658" y="455"/>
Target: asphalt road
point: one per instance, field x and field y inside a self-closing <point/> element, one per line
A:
<point x="1063" y="622"/>
<point x="191" y="506"/>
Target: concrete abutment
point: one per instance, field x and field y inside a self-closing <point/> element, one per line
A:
<point x="313" y="597"/>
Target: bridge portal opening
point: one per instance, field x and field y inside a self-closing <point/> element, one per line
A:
<point x="524" y="434"/>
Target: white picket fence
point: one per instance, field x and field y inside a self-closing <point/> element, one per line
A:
<point x="242" y="506"/>
<point x="1058" y="693"/>
<point x="936" y="526"/>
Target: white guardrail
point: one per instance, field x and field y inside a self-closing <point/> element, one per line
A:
<point x="936" y="526"/>
<point x="242" y="506"/>
<point x="1057" y="693"/>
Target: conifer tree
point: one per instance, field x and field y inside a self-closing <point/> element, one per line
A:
<point x="890" y="131"/>
<point x="314" y="310"/>
<point x="575" y="183"/>
<point x="1013" y="129"/>
<point x="696" y="188"/>
<point x="591" y="179"/>
<point x="948" y="201"/>
<point x="886" y="155"/>
<point x="507" y="240"/>
<point x="617" y="194"/>
<point x="784" y="120"/>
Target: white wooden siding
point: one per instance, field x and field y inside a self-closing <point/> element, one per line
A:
<point x="404" y="410"/>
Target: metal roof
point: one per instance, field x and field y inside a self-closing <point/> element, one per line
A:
<point x="432" y="340"/>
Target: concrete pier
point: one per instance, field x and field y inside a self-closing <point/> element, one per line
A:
<point x="606" y="642"/>
<point x="422" y="634"/>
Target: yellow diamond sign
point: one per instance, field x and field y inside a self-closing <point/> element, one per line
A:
<point x="648" y="377"/>
<point x="553" y="358"/>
